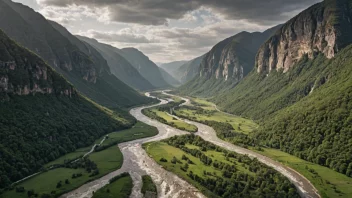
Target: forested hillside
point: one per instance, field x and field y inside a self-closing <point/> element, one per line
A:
<point x="119" y="66"/>
<point x="303" y="103"/>
<point x="42" y="116"/>
<point x="147" y="68"/>
<point x="81" y="64"/>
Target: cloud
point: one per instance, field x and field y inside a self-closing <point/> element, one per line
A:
<point x="158" y="12"/>
<point x="122" y="36"/>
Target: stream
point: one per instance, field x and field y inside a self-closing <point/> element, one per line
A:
<point x="138" y="163"/>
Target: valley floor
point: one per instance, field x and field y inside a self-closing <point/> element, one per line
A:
<point x="329" y="183"/>
<point x="131" y="157"/>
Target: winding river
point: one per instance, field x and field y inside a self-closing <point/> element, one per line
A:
<point x="138" y="163"/>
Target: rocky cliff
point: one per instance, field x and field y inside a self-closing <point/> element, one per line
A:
<point x="234" y="57"/>
<point x="24" y="73"/>
<point x="323" y="28"/>
<point x="78" y="62"/>
<point x="226" y="64"/>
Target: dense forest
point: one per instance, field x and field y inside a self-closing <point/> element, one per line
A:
<point x="304" y="112"/>
<point x="33" y="135"/>
<point x="259" y="181"/>
<point x="42" y="117"/>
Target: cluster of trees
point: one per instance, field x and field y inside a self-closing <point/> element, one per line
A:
<point x="33" y="135"/>
<point x="148" y="186"/>
<point x="263" y="182"/>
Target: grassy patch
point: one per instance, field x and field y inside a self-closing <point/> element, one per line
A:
<point x="121" y="188"/>
<point x="239" y="124"/>
<point x="148" y="187"/>
<point x="45" y="183"/>
<point x="165" y="118"/>
<point x="328" y="182"/>
<point x="107" y="160"/>
<point x="203" y="165"/>
<point x="139" y="130"/>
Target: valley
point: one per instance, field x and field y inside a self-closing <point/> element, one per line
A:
<point x="137" y="156"/>
<point x="171" y="99"/>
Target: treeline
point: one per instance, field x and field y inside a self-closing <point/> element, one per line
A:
<point x="38" y="129"/>
<point x="262" y="181"/>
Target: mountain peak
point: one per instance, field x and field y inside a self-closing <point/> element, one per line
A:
<point x="323" y="28"/>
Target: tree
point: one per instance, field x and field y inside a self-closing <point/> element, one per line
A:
<point x="59" y="184"/>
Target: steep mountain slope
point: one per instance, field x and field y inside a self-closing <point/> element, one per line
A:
<point x="300" y="89"/>
<point x="172" y="67"/>
<point x="42" y="116"/>
<point x="145" y="66"/>
<point x="79" y="63"/>
<point x="169" y="78"/>
<point x="189" y="70"/>
<point x="119" y="66"/>
<point x="227" y="63"/>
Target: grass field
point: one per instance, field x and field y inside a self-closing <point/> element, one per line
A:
<point x="148" y="187"/>
<point x="325" y="179"/>
<point x="158" y="150"/>
<point x="120" y="188"/>
<point x="45" y="183"/>
<point x="328" y="182"/>
<point x="139" y="130"/>
<point x="107" y="161"/>
<point x="179" y="124"/>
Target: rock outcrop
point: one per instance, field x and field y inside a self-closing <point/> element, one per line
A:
<point x="323" y="28"/>
<point x="24" y="73"/>
<point x="234" y="57"/>
<point x="78" y="62"/>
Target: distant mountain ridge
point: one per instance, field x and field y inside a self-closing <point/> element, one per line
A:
<point x="147" y="68"/>
<point x="81" y="64"/>
<point x="227" y="63"/>
<point x="189" y="70"/>
<point x="119" y="66"/>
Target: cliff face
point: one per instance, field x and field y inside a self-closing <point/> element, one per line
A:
<point x="189" y="70"/>
<point x="234" y="57"/>
<point x="78" y="62"/>
<point x="24" y="73"/>
<point x="323" y="28"/>
<point x="33" y="31"/>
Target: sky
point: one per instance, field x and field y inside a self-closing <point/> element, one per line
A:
<point x="167" y="30"/>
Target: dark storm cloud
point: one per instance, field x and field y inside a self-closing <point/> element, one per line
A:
<point x="156" y="12"/>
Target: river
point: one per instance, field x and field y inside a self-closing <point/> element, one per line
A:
<point x="138" y="163"/>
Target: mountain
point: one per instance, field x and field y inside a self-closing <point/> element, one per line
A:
<point x="300" y="90"/>
<point x="42" y="116"/>
<point x="172" y="66"/>
<point x="189" y="70"/>
<point x="227" y="63"/>
<point x="169" y="78"/>
<point x="145" y="66"/>
<point x="119" y="66"/>
<point x="81" y="64"/>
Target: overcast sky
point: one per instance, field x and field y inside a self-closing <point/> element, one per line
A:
<point x="167" y="30"/>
